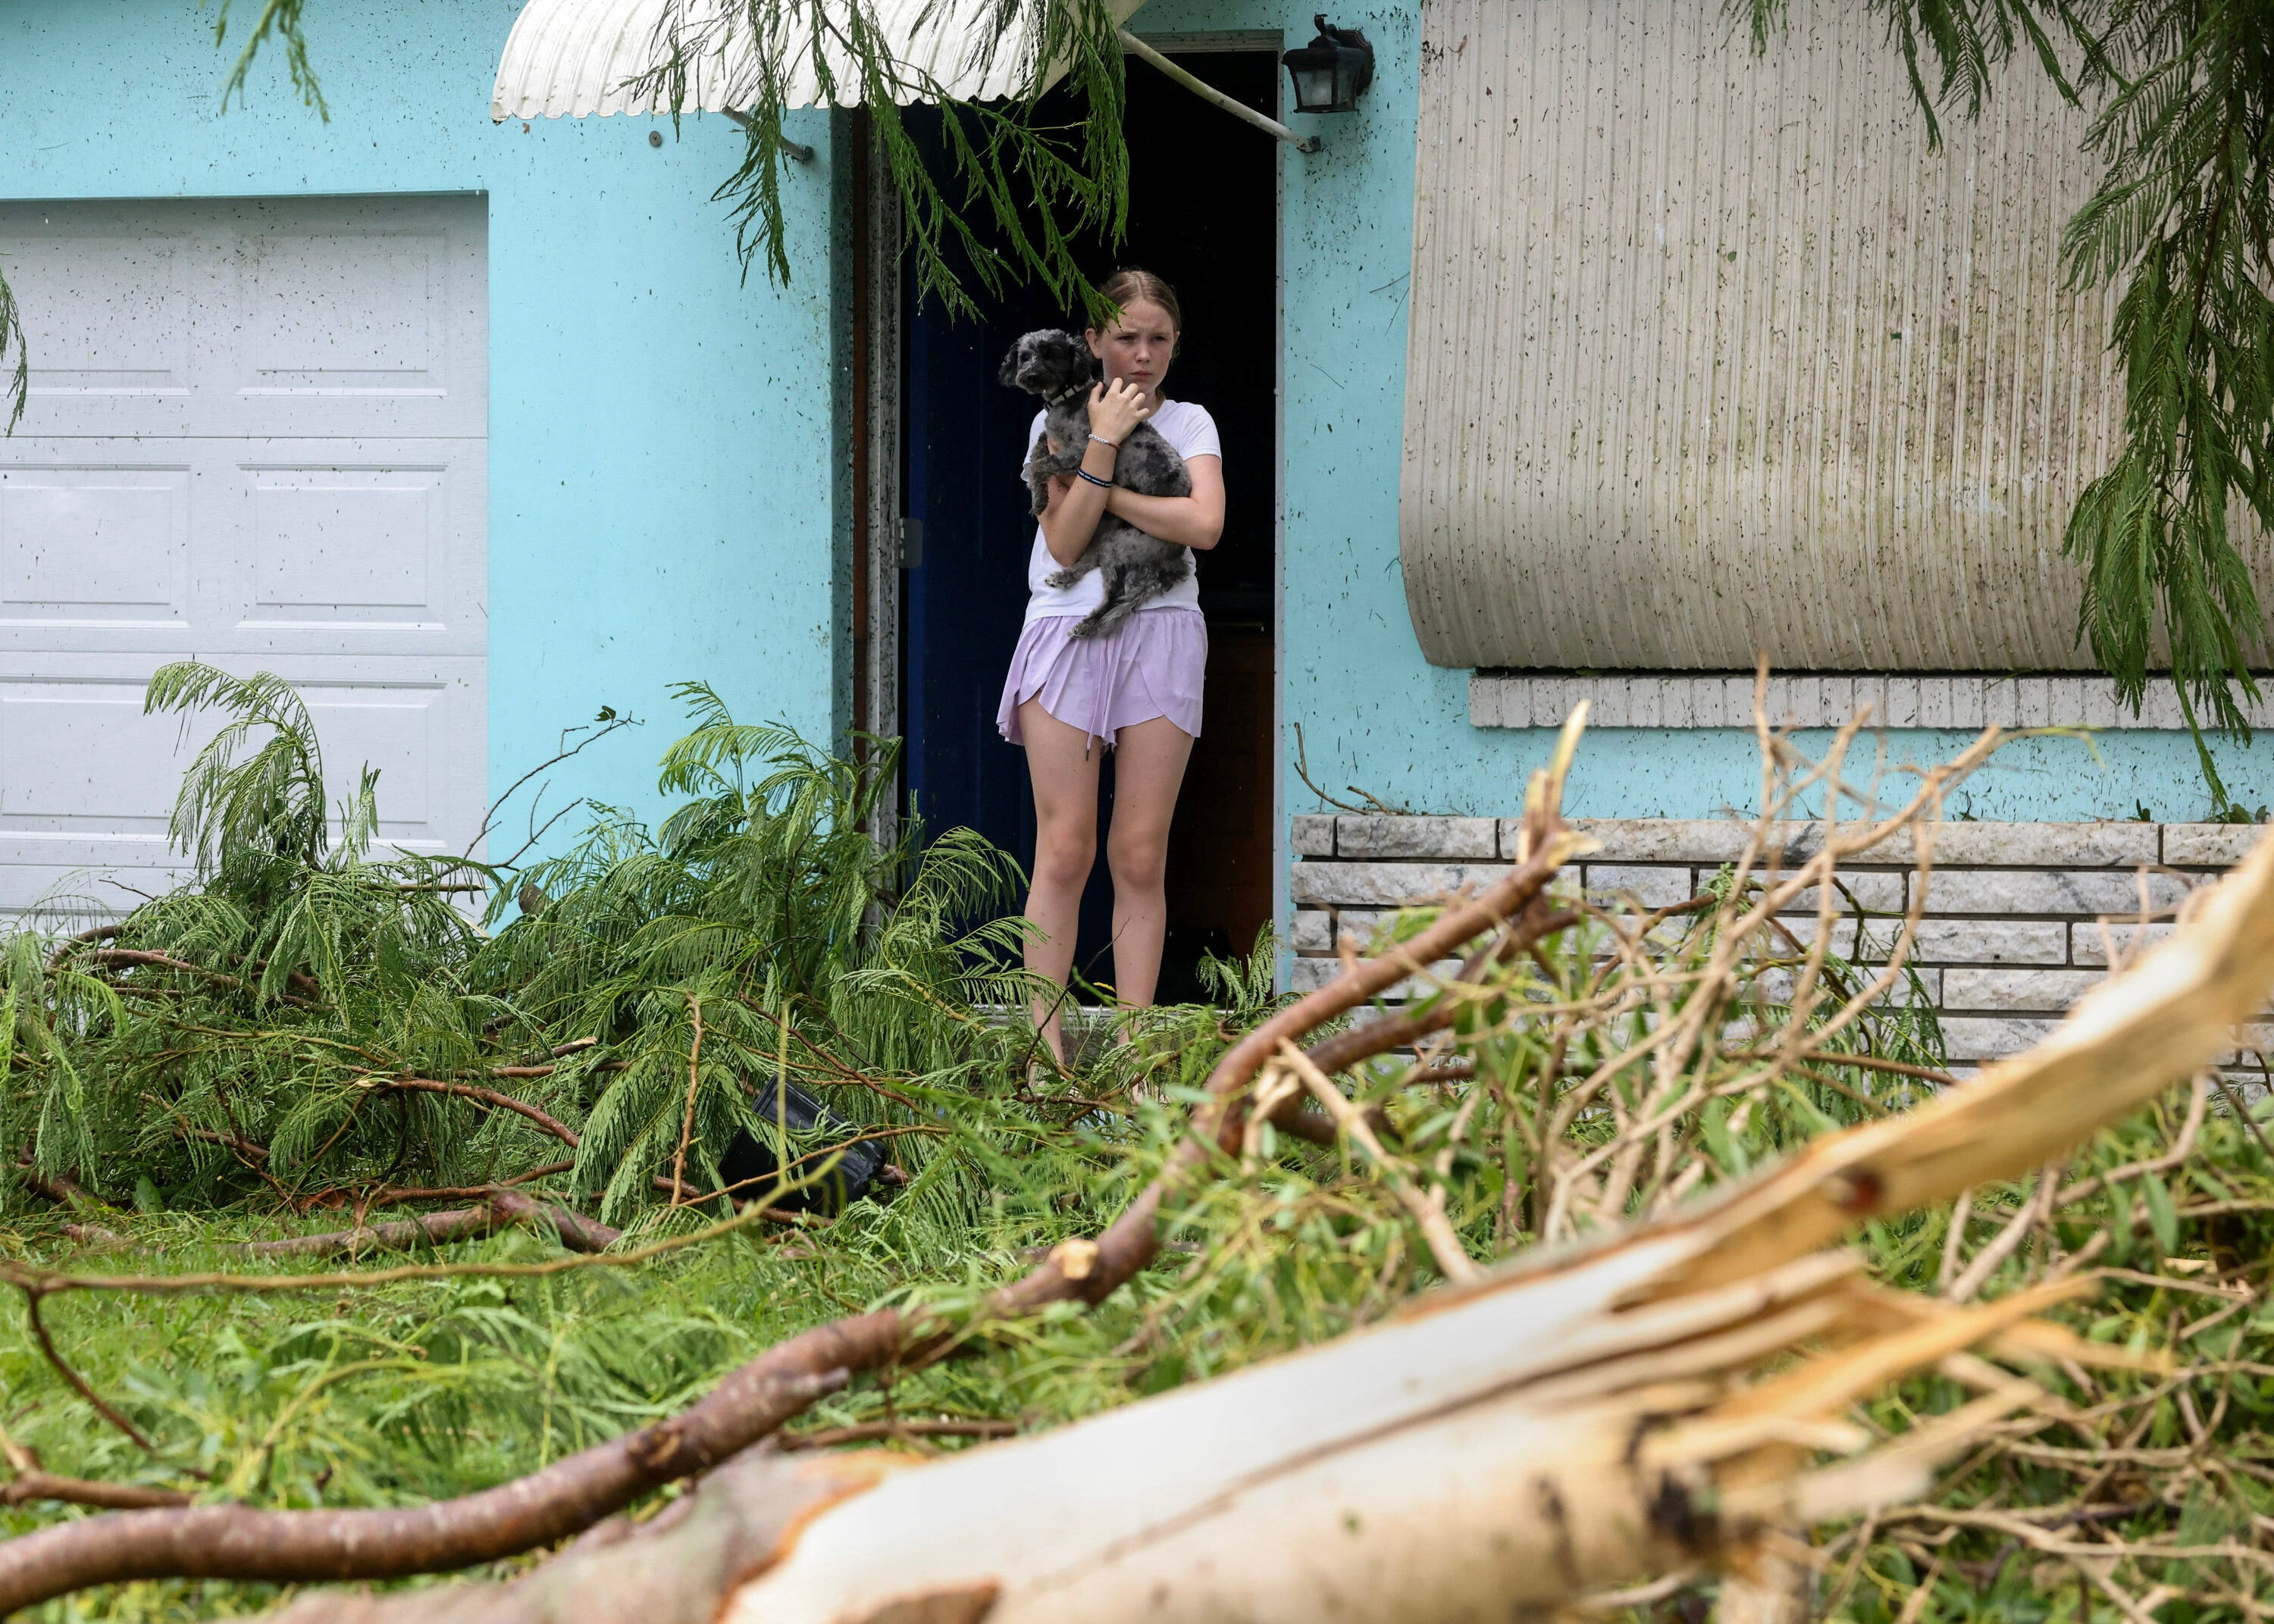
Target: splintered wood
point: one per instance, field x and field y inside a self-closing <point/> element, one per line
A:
<point x="1566" y="1424"/>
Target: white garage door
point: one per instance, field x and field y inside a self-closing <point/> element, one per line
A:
<point x="257" y="437"/>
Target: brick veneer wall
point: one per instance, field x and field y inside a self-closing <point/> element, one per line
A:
<point x="2019" y="919"/>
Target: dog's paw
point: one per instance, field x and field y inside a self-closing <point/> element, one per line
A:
<point x="1058" y="580"/>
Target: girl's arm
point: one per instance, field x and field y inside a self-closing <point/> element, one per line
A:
<point x="1075" y="507"/>
<point x="1194" y="521"/>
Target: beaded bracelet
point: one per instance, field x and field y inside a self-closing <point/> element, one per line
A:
<point x="1103" y="483"/>
<point x="1102" y="441"/>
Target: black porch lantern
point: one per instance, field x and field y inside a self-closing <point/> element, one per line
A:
<point x="1332" y="71"/>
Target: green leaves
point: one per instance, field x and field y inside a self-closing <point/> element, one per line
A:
<point x="241" y="820"/>
<point x="280" y="19"/>
<point x="2186" y="214"/>
<point x="1018" y="191"/>
<point x="245" y="1035"/>
<point x="2162" y="1218"/>
<point x="18" y="389"/>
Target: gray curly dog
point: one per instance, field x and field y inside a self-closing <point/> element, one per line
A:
<point x="1135" y="567"/>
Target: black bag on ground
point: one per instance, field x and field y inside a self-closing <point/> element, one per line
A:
<point x="750" y="1158"/>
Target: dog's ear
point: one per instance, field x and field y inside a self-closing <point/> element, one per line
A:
<point x="1008" y="374"/>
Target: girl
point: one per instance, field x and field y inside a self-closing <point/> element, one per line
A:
<point x="1136" y="690"/>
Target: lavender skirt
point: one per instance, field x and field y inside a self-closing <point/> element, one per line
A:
<point x="1152" y="665"/>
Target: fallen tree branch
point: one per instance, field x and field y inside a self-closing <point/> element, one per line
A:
<point x="77" y="1382"/>
<point x="135" y="958"/>
<point x="490" y="1097"/>
<point x="58" y="1188"/>
<point x="243" y="1147"/>
<point x="1346" y="1480"/>
<point x="394" y="1194"/>
<point x="26" y="1487"/>
<point x="33" y="1482"/>
<point x="1709" y="1289"/>
<point x="546" y="1062"/>
<point x="214" y="1541"/>
<point x="499" y="1209"/>
<point x="71" y="945"/>
<point x="670" y="1569"/>
<point x="131" y="958"/>
<point x="1603" y="1340"/>
<point x="94" y="1235"/>
<point x="1426" y="1210"/>
<point x="578" y="1232"/>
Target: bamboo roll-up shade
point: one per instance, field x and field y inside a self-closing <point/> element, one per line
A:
<point x="1710" y="355"/>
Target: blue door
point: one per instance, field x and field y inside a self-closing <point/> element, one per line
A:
<point x="1203" y="214"/>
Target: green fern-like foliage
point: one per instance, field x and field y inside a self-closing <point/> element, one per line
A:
<point x="280" y="20"/>
<point x="2185" y="217"/>
<point x="763" y="908"/>
<point x="1022" y="190"/>
<point x="18" y="389"/>
<point x="242" y="820"/>
<point x="315" y="1015"/>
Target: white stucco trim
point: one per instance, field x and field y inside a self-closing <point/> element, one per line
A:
<point x="584" y="57"/>
<point x="1962" y="700"/>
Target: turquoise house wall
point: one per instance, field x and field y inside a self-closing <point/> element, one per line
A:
<point x="1371" y="711"/>
<point x="661" y="503"/>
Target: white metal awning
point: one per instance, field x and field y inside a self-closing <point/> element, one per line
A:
<point x="580" y="56"/>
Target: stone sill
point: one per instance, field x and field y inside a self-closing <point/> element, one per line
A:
<point x="1965" y="702"/>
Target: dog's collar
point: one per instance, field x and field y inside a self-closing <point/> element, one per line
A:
<point x="1064" y="395"/>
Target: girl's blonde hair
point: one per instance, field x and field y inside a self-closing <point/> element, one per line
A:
<point x="1129" y="284"/>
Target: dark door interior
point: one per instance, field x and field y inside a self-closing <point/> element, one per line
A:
<point x="1204" y="214"/>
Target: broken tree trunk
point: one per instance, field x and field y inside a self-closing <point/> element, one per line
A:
<point x="671" y="1570"/>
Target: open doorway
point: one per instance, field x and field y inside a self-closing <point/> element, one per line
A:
<point x="1204" y="214"/>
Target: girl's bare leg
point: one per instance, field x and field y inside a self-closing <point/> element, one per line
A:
<point x="1064" y="765"/>
<point x="1148" y="770"/>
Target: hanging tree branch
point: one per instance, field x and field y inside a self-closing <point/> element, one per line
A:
<point x="18" y="389"/>
<point x="2183" y="220"/>
<point x="279" y="19"/>
<point x="1027" y="190"/>
<point x="2185" y="212"/>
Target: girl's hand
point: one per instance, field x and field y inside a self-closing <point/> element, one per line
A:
<point x="1115" y="409"/>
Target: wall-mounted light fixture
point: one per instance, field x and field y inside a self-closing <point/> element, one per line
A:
<point x="1332" y="71"/>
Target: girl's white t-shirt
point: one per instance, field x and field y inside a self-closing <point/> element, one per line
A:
<point x="1193" y="432"/>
